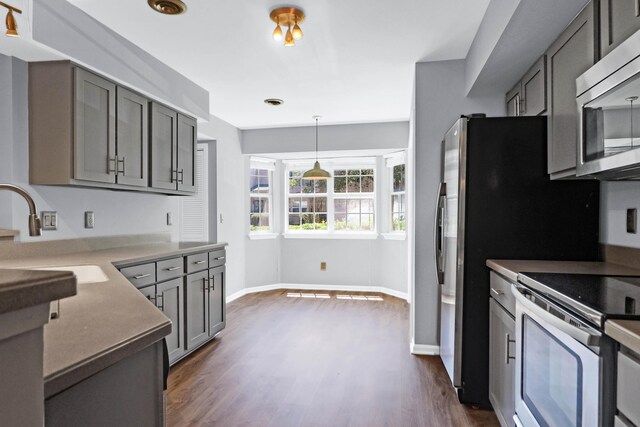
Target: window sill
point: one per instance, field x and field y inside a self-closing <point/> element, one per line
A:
<point x="335" y="236"/>
<point x="262" y="236"/>
<point x="394" y="236"/>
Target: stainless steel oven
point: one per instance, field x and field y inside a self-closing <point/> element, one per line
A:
<point x="558" y="366"/>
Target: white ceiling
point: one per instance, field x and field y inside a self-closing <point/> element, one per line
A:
<point x="355" y="63"/>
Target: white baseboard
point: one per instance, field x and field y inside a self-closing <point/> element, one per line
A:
<point x="379" y="289"/>
<point x="422" y="349"/>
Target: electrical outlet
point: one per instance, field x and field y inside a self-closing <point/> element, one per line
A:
<point x="89" y="219"/>
<point x="323" y="266"/>
<point x="632" y="220"/>
<point x="169" y="218"/>
<point x="49" y="220"/>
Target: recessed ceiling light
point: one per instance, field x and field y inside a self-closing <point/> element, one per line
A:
<point x="274" y="101"/>
<point x="168" y="7"/>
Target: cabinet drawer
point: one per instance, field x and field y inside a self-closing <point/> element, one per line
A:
<point x="628" y="387"/>
<point x="197" y="262"/>
<point x="140" y="275"/>
<point x="170" y="268"/>
<point x="500" y="290"/>
<point x="217" y="258"/>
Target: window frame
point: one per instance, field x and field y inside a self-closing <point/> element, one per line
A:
<point x="269" y="166"/>
<point x="391" y="161"/>
<point x="332" y="165"/>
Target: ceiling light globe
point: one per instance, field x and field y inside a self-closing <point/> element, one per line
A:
<point x="288" y="40"/>
<point x="297" y="32"/>
<point x="277" y="33"/>
<point x="12" y="26"/>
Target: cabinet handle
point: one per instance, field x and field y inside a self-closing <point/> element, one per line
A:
<point x="172" y="268"/>
<point x="212" y="281"/>
<point x="152" y="299"/>
<point x="507" y="342"/>
<point x="174" y="175"/>
<point x="219" y="258"/>
<point x="112" y="161"/>
<point x="205" y="284"/>
<point x="123" y="165"/>
<point x="497" y="293"/>
<point x="141" y="276"/>
<point x="181" y="179"/>
<point x="200" y="262"/>
<point x="160" y="301"/>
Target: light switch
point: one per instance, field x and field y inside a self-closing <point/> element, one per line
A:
<point x="632" y="220"/>
<point x="49" y="220"/>
<point x="169" y="218"/>
<point x="323" y="266"/>
<point x="89" y="219"/>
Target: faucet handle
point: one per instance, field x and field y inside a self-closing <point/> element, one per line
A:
<point x="35" y="225"/>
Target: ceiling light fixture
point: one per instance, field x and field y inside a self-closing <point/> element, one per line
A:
<point x="317" y="172"/>
<point x="288" y="17"/>
<point x="274" y="101"/>
<point x="168" y="7"/>
<point x="12" y="26"/>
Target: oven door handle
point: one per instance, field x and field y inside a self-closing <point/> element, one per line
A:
<point x="582" y="333"/>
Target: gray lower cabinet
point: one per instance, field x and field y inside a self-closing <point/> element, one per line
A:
<point x="197" y="307"/>
<point x="567" y="58"/>
<point x="502" y="333"/>
<point x="628" y="388"/>
<point x="217" y="305"/>
<point x="618" y="20"/>
<point x="170" y="299"/>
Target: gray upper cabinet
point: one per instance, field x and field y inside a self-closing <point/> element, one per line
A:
<point x="169" y="299"/>
<point x="187" y="141"/>
<point x="164" y="153"/>
<point x="618" y="20"/>
<point x="85" y="130"/>
<point x="217" y="304"/>
<point x="534" y="87"/>
<point x="197" y="308"/>
<point x="132" y="157"/>
<point x="501" y="363"/>
<point x="95" y="128"/>
<point x="567" y="58"/>
<point x="528" y="97"/>
<point x="513" y="100"/>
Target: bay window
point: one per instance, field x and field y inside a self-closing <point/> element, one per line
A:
<point x="396" y="167"/>
<point x="260" y="196"/>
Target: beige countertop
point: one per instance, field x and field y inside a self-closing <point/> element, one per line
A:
<point x="626" y="332"/>
<point x="105" y="322"/>
<point x="25" y="288"/>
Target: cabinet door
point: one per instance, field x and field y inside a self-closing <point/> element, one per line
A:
<point x="197" y="308"/>
<point x="534" y="89"/>
<point x="618" y="20"/>
<point x="150" y="293"/>
<point x="95" y="128"/>
<point x="170" y="301"/>
<point x="217" y="305"/>
<point x="513" y="101"/>
<point x="567" y="58"/>
<point x="502" y="352"/>
<point x="132" y="138"/>
<point x="164" y="162"/>
<point x="187" y="140"/>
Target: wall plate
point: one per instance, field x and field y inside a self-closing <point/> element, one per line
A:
<point x="49" y="220"/>
<point x="89" y="219"/>
<point x="632" y="220"/>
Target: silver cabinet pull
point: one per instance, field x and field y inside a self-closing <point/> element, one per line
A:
<point x="200" y="262"/>
<point x="174" y="175"/>
<point x="142" y="276"/>
<point x="123" y="165"/>
<point x="497" y="293"/>
<point x="181" y="174"/>
<point x="173" y="268"/>
<point x="205" y="284"/>
<point x="507" y="342"/>
<point x="212" y="282"/>
<point x="152" y="299"/>
<point x="112" y="169"/>
<point x="160" y="301"/>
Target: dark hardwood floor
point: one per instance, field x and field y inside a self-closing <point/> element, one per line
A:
<point x="285" y="361"/>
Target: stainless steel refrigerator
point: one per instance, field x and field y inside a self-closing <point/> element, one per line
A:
<point x="496" y="202"/>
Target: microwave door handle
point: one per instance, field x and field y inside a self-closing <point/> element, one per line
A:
<point x="585" y="334"/>
<point x="437" y="233"/>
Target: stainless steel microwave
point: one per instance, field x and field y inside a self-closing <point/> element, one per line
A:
<point x="608" y="97"/>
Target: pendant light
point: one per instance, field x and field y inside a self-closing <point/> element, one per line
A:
<point x="317" y="172"/>
<point x="10" y="20"/>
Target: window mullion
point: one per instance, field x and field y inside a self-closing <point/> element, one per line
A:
<point x="330" y="206"/>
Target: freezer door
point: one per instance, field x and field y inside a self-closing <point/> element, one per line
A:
<point x="450" y="297"/>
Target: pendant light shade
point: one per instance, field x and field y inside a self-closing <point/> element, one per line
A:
<point x="317" y="172"/>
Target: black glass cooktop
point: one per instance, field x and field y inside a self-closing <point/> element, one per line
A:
<point x="608" y="296"/>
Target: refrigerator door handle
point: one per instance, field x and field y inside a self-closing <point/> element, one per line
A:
<point x="438" y="232"/>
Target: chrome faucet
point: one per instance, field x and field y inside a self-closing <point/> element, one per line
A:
<point x="35" y="225"/>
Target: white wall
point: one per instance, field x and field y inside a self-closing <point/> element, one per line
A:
<point x="230" y="176"/>
<point x="116" y="212"/>
<point x="439" y="101"/>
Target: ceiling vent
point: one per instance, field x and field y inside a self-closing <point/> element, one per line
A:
<point x="274" y="101"/>
<point x="168" y="7"/>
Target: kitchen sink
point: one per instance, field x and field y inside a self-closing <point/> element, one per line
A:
<point x="84" y="273"/>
